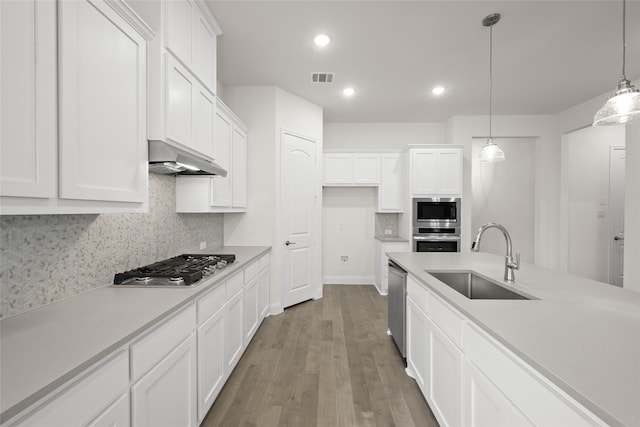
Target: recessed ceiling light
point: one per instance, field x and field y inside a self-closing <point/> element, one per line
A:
<point x="438" y="90"/>
<point x="349" y="91"/>
<point x="322" y="40"/>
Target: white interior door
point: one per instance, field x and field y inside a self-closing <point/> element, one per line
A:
<point x="616" y="215"/>
<point x="298" y="217"/>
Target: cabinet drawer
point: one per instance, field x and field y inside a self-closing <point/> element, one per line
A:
<point x="234" y="285"/>
<point x="265" y="260"/>
<point x="251" y="271"/>
<point x="154" y="346"/>
<point x="210" y="302"/>
<point x="84" y="399"/>
<point x="418" y="293"/>
<point x="543" y="402"/>
<point x="447" y="319"/>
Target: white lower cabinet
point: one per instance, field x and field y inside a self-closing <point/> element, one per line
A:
<point x="166" y="395"/>
<point x="263" y="285"/>
<point x="211" y="363"/>
<point x="485" y="405"/>
<point x="233" y="331"/>
<point x="381" y="262"/>
<point x="251" y="314"/>
<point x="470" y="379"/>
<point x="446" y="378"/>
<point x="418" y="346"/>
<point x="116" y="415"/>
<point x="84" y="399"/>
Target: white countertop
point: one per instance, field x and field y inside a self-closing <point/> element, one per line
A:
<point x="43" y="348"/>
<point x="387" y="238"/>
<point x="582" y="335"/>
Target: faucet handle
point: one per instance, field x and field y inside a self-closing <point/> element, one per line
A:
<point x="513" y="264"/>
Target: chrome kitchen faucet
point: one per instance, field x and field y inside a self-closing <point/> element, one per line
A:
<point x="509" y="263"/>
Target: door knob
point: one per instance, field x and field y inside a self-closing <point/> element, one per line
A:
<point x="289" y="243"/>
<point x="618" y="238"/>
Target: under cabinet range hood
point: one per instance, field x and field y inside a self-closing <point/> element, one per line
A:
<point x="166" y="158"/>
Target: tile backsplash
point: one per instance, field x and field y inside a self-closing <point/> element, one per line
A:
<point x="45" y="258"/>
<point x="387" y="221"/>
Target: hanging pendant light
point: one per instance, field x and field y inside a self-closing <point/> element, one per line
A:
<point x="624" y="105"/>
<point x="491" y="152"/>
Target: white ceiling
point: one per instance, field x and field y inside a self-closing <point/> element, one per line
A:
<point x="547" y="55"/>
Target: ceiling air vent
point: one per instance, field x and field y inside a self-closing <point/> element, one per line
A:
<point x="322" y="77"/>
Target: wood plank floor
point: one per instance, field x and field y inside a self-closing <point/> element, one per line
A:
<point x="327" y="362"/>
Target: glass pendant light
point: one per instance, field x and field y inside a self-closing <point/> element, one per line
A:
<point x="624" y="105"/>
<point x="491" y="152"/>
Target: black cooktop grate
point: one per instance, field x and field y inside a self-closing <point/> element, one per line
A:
<point x="189" y="267"/>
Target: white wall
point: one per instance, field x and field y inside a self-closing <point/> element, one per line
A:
<point x="585" y="184"/>
<point x="348" y="229"/>
<point x="632" y="208"/>
<point x="504" y="192"/>
<point x="463" y="129"/>
<point x="267" y="110"/>
<point x="581" y="116"/>
<point x="382" y="135"/>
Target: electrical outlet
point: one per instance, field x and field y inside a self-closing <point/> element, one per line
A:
<point x="203" y="245"/>
<point x="388" y="232"/>
<point x="344" y="259"/>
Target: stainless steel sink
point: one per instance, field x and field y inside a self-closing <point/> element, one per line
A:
<point x="474" y="286"/>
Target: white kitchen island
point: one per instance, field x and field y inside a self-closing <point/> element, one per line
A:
<point x="579" y="340"/>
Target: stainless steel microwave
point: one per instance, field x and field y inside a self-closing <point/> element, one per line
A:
<point x="436" y="213"/>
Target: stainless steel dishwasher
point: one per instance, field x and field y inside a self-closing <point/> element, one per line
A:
<point x="397" y="305"/>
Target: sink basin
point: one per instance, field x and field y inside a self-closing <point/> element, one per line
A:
<point x="474" y="286"/>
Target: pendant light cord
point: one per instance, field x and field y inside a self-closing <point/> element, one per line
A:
<point x="490" y="77"/>
<point x="624" y="39"/>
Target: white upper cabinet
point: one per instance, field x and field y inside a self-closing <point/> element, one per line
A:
<point x="352" y="169"/>
<point x="28" y="99"/>
<point x="366" y="168"/>
<point x="103" y="149"/>
<point x="219" y="193"/>
<point x="73" y="141"/>
<point x="182" y="74"/>
<point x="436" y="172"/>
<point x="180" y="14"/>
<point x="390" y="190"/>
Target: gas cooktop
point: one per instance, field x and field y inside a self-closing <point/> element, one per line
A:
<point x="179" y="271"/>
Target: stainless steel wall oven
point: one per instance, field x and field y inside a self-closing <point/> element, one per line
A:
<point x="436" y="224"/>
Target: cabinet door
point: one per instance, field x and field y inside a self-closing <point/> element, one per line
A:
<point x="204" y="122"/>
<point x="423" y="172"/>
<point x="179" y="104"/>
<point x="28" y="122"/>
<point x="485" y="405"/>
<point x="366" y="168"/>
<point x="86" y="398"/>
<point x="418" y="346"/>
<point x="116" y="415"/>
<point x="102" y="104"/>
<point x="239" y="169"/>
<point x="166" y="395"/>
<point x="251" y="314"/>
<point x="338" y="169"/>
<point x="180" y="15"/>
<point x="390" y="191"/>
<point x="263" y="298"/>
<point x="211" y="363"/>
<point x="205" y="52"/>
<point x="233" y="332"/>
<point x="450" y="172"/>
<point x="446" y="379"/>
<point x="221" y="186"/>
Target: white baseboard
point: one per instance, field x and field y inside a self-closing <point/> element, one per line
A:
<point x="347" y="280"/>
<point x="275" y="309"/>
